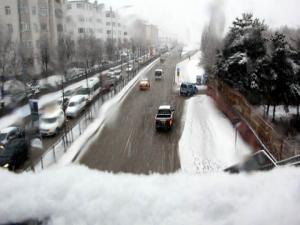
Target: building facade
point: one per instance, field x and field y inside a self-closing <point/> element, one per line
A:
<point x="86" y="18"/>
<point x="31" y="21"/>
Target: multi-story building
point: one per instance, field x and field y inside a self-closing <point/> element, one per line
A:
<point x="31" y="21"/>
<point x="151" y="35"/>
<point x="84" y="17"/>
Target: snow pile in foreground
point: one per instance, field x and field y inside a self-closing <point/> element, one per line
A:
<point x="77" y="195"/>
<point x="208" y="139"/>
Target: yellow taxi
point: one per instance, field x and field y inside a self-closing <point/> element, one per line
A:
<point x="144" y="84"/>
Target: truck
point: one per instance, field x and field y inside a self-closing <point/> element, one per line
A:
<point x="164" y="118"/>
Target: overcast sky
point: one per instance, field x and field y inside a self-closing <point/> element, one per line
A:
<point x="186" y="18"/>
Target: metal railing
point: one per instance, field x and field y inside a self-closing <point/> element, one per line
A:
<point x="59" y="148"/>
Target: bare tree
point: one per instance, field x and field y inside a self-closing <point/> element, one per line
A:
<point x="110" y="48"/>
<point x="5" y="51"/>
<point x="211" y="39"/>
<point x="45" y="55"/>
<point x="65" y="53"/>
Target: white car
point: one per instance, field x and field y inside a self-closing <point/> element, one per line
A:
<point x="129" y="68"/>
<point x="76" y="104"/>
<point x="51" y="121"/>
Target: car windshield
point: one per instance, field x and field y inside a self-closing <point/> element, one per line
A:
<point x="49" y="120"/>
<point x="3" y="136"/>
<point x="183" y="86"/>
<point x="68" y="93"/>
<point x="83" y="91"/>
<point x="164" y="111"/>
<point x="71" y="104"/>
<point x="158" y="73"/>
<point x="7" y="152"/>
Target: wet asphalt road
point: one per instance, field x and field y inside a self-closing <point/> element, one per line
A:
<point x="129" y="142"/>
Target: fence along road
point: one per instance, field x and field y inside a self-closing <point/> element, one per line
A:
<point x="128" y="142"/>
<point x="75" y="128"/>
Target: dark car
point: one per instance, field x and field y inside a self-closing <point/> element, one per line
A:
<point x="14" y="154"/>
<point x="10" y="133"/>
<point x="188" y="89"/>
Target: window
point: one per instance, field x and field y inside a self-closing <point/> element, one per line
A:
<point x="81" y="19"/>
<point x="108" y="14"/>
<point x="119" y="25"/>
<point x="24" y="27"/>
<point x="80" y="6"/>
<point x="80" y="30"/>
<point x="44" y="27"/>
<point x="69" y="6"/>
<point x="37" y="43"/>
<point x="108" y="31"/>
<point x="91" y="30"/>
<point x="58" y="13"/>
<point x="114" y="24"/>
<point x="35" y="27"/>
<point x="33" y="9"/>
<point x="125" y="33"/>
<point x="23" y="8"/>
<point x="7" y="10"/>
<point x="10" y="28"/>
<point x="43" y="11"/>
<point x="107" y="23"/>
<point x="99" y="30"/>
<point x="59" y="28"/>
<point x="99" y="21"/>
<point x="68" y="19"/>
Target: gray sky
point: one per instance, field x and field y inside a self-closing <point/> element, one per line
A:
<point x="186" y="18"/>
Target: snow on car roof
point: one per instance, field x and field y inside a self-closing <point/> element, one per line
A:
<point x="76" y="98"/>
<point x="158" y="70"/>
<point x="51" y="112"/>
<point x="7" y="130"/>
<point x="162" y="107"/>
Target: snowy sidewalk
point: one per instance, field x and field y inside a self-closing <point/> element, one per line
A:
<point x="208" y="140"/>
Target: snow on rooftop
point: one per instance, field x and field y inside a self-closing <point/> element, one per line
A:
<point x="164" y="107"/>
<point x="77" y="195"/>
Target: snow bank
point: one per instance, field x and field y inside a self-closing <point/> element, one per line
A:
<point x="76" y="195"/>
<point x="208" y="139"/>
<point x="97" y="125"/>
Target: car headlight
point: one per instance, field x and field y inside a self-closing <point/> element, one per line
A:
<point x="6" y="166"/>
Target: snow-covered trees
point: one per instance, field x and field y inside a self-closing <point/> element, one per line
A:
<point x="260" y="64"/>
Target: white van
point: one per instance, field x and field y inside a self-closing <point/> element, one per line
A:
<point x="51" y="121"/>
<point x="76" y="104"/>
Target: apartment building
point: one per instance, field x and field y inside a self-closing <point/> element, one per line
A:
<point x="84" y="17"/>
<point x="30" y="21"/>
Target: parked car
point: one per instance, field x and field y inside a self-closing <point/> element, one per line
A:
<point x="14" y="154"/>
<point x="51" y="121"/>
<point x="117" y="72"/>
<point x="76" y="104"/>
<point x="129" y="68"/>
<point x="158" y="74"/>
<point x="10" y="133"/>
<point x="144" y="84"/>
<point x="188" y="89"/>
<point x="164" y="118"/>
